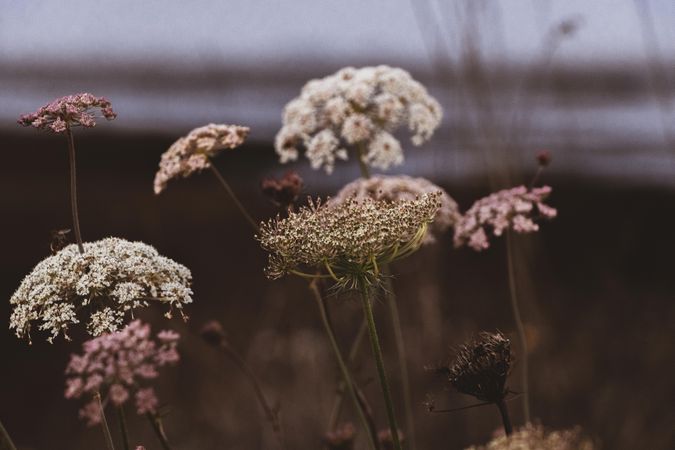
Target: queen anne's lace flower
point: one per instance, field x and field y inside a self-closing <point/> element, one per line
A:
<point x="514" y="208"/>
<point x="357" y="107"/>
<point x="111" y="277"/>
<point x="351" y="239"/>
<point x="537" y="437"/>
<point x="68" y="111"/>
<point x="402" y="187"/>
<point x="118" y="365"/>
<point x="192" y="153"/>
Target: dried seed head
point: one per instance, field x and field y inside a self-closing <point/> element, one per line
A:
<point x="191" y="153"/>
<point x="481" y="367"/>
<point x="283" y="192"/>
<point x="357" y="107"/>
<point x="537" y="437"/>
<point x="69" y="111"/>
<point x="350" y="240"/>
<point x="342" y="438"/>
<point x="403" y="187"/>
<point x="543" y="158"/>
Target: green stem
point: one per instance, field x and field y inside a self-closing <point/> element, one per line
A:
<point x="123" y="427"/>
<point x="361" y="154"/>
<point x="5" y="441"/>
<point x="349" y="384"/>
<point x="513" y="294"/>
<point x="402" y="358"/>
<point x="104" y="423"/>
<point x="233" y="196"/>
<point x="158" y="428"/>
<point x="379" y="362"/>
<point x="73" y="188"/>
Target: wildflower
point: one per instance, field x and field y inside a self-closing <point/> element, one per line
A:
<point x="119" y="365"/>
<point x="357" y="107"/>
<point x="481" y="367"/>
<point x="403" y="187"/>
<point x="101" y="285"/>
<point x="342" y="438"/>
<point x="536" y="437"/>
<point x="351" y="239"/>
<point x="386" y="440"/>
<point x="514" y="208"/>
<point x="68" y="111"/>
<point x="543" y="158"/>
<point x="283" y="192"/>
<point x="192" y="153"/>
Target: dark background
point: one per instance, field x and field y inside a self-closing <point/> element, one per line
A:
<point x="595" y="283"/>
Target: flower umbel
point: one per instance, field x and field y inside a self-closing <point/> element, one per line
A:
<point x="69" y="111"/>
<point x="537" y="437"/>
<point x="515" y="208"/>
<point x="341" y="438"/>
<point x="110" y="278"/>
<point x="403" y="187"/>
<point x="119" y="365"/>
<point x="360" y="107"/>
<point x="192" y="153"/>
<point x="350" y="240"/>
<point x="283" y="192"/>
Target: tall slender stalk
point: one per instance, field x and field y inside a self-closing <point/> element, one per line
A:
<point x="104" y="423"/>
<point x="232" y="195"/>
<point x="503" y="410"/>
<point x="513" y="294"/>
<point x="361" y="154"/>
<point x="158" y="428"/>
<point x="390" y="297"/>
<point x="73" y="188"/>
<point x="349" y="384"/>
<point x="123" y="427"/>
<point x="271" y="413"/>
<point x="379" y="362"/>
<point x="5" y="441"/>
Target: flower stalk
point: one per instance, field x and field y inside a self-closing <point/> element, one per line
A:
<point x="104" y="423"/>
<point x="233" y="196"/>
<point x="123" y="427"/>
<point x="158" y="427"/>
<point x="5" y="440"/>
<point x="73" y="188"/>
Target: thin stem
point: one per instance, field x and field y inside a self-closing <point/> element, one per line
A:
<point x="271" y="413"/>
<point x="123" y="427"/>
<point x="233" y="196"/>
<point x="340" y="393"/>
<point x="379" y="362"/>
<point x="503" y="410"/>
<point x="361" y="154"/>
<point x="73" y="188"/>
<point x="5" y="441"/>
<point x="104" y="423"/>
<point x="519" y="324"/>
<point x="402" y="358"/>
<point x="158" y="427"/>
<point x="349" y="384"/>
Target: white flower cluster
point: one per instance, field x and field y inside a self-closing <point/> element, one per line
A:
<point x="111" y="277"/>
<point x="392" y="188"/>
<point x="359" y="107"/>
<point x="536" y="437"/>
<point x="349" y="240"/>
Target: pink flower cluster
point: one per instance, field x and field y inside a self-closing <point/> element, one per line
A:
<point x="68" y="111"/>
<point x="515" y="208"/>
<point x="117" y="365"/>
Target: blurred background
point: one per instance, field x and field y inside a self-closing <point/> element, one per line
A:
<point x="592" y="82"/>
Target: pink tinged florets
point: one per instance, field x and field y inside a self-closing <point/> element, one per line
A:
<point x="118" y="366"/>
<point x="516" y="209"/>
<point x="69" y="111"/>
<point x="359" y="107"/>
<point x="192" y="153"/>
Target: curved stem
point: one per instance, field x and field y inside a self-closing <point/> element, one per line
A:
<point x="158" y="428"/>
<point x="349" y="384"/>
<point x="5" y="441"/>
<point x="73" y="188"/>
<point x="123" y="427"/>
<point x="379" y="362"/>
<point x="104" y="423"/>
<point x="503" y="410"/>
<point x="402" y="358"/>
<point x="361" y="154"/>
<point x="233" y="196"/>
<point x="519" y="324"/>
